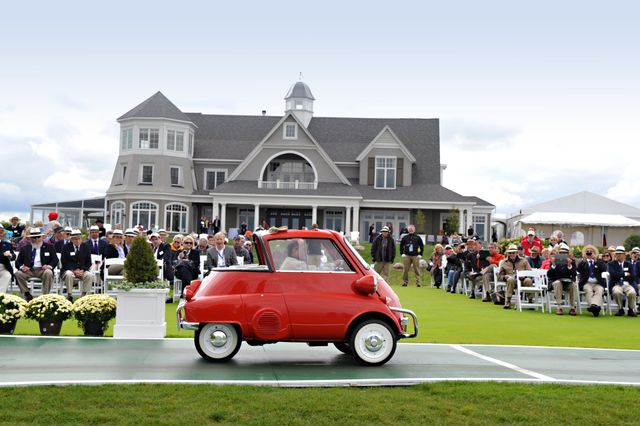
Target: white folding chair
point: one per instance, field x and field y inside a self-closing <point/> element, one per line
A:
<point x="537" y="289"/>
<point x="498" y="285"/>
<point x="551" y="299"/>
<point x="107" y="276"/>
<point x="606" y="296"/>
<point x="177" y="289"/>
<point x="203" y="261"/>
<point x="160" y="264"/>
<point x="96" y="261"/>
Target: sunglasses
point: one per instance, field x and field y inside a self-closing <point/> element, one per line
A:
<point x="187" y="243"/>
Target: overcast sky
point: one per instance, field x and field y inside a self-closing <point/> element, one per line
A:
<point x="535" y="101"/>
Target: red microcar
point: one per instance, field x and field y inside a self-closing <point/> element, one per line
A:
<point x="309" y="286"/>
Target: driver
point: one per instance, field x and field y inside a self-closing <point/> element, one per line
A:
<point x="292" y="262"/>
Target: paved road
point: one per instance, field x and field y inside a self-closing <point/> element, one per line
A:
<point x="69" y="360"/>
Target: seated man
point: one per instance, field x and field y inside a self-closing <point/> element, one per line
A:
<point x="508" y="272"/>
<point x="563" y="278"/>
<point x="115" y="250"/>
<point x="622" y="281"/>
<point x="454" y="267"/>
<point x="6" y="256"/>
<point x="472" y="266"/>
<point x="35" y="259"/>
<point x="535" y="260"/>
<point x="241" y="252"/>
<point x="76" y="262"/>
<point x="591" y="281"/>
<point x="292" y="262"/>
<point x="220" y="255"/>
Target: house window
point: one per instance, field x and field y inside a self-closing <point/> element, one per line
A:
<point x="290" y="131"/>
<point x="117" y="213"/>
<point x="120" y="178"/>
<point x="174" y="173"/>
<point x="126" y="139"/>
<point x="479" y="225"/>
<point x="247" y="216"/>
<point x="333" y="220"/>
<point x="176" y="217"/>
<point x="144" y="213"/>
<point x="190" y="143"/>
<point x="213" y="178"/>
<point x="175" y="141"/>
<point x="385" y="173"/>
<point x="146" y="174"/>
<point x="148" y="138"/>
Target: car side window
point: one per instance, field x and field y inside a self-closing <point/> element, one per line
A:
<point x="308" y="254"/>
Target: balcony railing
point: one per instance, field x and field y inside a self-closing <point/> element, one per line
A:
<point x="276" y="184"/>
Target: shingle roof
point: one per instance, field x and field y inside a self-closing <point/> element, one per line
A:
<point x="234" y="136"/>
<point x="157" y="106"/>
<point x="479" y="201"/>
<point x="418" y="192"/>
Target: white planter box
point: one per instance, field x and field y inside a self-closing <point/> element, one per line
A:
<point x="140" y="314"/>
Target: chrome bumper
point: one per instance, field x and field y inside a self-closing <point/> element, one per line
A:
<point x="404" y="322"/>
<point x="180" y="318"/>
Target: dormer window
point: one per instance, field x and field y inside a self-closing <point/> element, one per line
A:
<point x="290" y="131"/>
<point x="175" y="141"/>
<point x="126" y="140"/>
<point x="385" y="173"/>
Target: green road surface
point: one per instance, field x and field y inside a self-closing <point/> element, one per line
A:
<point x="81" y="360"/>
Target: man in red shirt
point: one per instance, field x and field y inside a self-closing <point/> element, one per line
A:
<point x="491" y="262"/>
<point x="529" y="241"/>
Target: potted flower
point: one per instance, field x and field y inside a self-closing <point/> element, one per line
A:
<point x="49" y="310"/>
<point x="93" y="313"/>
<point x="141" y="295"/>
<point x="12" y="308"/>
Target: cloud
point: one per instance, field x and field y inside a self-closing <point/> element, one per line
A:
<point x="476" y="136"/>
<point x="8" y="189"/>
<point x="68" y="102"/>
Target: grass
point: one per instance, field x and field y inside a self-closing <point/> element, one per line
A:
<point x="440" y="403"/>
<point x="452" y="318"/>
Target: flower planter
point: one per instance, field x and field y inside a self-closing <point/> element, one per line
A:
<point x="140" y="314"/>
<point x="94" y="328"/>
<point x="50" y="328"/>
<point x="7" y="327"/>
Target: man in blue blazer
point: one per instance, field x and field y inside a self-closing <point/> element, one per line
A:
<point x="622" y="282"/>
<point x="35" y="259"/>
<point x="76" y="262"/>
<point x="94" y="242"/>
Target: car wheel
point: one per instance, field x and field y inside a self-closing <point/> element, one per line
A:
<point x="343" y="347"/>
<point x="373" y="342"/>
<point x="217" y="342"/>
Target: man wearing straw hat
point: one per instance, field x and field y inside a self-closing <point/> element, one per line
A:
<point x="35" y="260"/>
<point x="76" y="262"/>
<point x="509" y="270"/>
<point x="563" y="278"/>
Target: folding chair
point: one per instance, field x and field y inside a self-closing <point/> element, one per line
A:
<point x="565" y="297"/>
<point x="96" y="261"/>
<point x="177" y="289"/>
<point x="607" y="297"/>
<point x="538" y="289"/>
<point x="203" y="261"/>
<point x="160" y="264"/>
<point x="498" y="285"/>
<point x="107" y="276"/>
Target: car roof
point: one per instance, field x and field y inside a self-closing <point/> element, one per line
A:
<point x="279" y="233"/>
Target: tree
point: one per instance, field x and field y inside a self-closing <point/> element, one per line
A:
<point x="631" y="242"/>
<point x="140" y="266"/>
<point x="453" y="222"/>
<point x="420" y="221"/>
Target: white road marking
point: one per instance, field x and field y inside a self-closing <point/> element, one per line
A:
<point x="503" y="363"/>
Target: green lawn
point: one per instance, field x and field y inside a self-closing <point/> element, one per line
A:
<point x="440" y="403"/>
<point x="452" y="318"/>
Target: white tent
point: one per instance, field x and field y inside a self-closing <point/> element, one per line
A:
<point x="579" y="219"/>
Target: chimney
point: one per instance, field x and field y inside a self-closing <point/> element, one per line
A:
<point x="264" y="112"/>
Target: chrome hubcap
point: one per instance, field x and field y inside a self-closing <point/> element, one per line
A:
<point x="218" y="339"/>
<point x="373" y="343"/>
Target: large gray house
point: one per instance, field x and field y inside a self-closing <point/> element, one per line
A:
<point x="296" y="169"/>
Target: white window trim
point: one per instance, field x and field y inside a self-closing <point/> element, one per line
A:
<point x="186" y="221"/>
<point x="295" y="130"/>
<point x="123" y="146"/>
<point x="112" y="209"/>
<point x="121" y="174"/>
<point x="149" y="129"/>
<point x="375" y="171"/>
<point x="180" y="178"/>
<point x="204" y="182"/>
<point x="175" y="140"/>
<point x="142" y="201"/>
<point x="140" y="182"/>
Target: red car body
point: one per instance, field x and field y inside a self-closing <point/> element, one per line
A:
<point x="325" y="299"/>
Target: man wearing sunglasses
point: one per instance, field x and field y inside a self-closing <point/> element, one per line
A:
<point x="591" y="281"/>
<point x="35" y="260"/>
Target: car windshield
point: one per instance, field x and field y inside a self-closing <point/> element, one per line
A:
<point x="356" y="254"/>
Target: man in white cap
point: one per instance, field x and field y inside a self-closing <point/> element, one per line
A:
<point x="94" y="242"/>
<point x="129" y="235"/>
<point x="383" y="252"/>
<point x="562" y="276"/>
<point x="622" y="281"/>
<point x="508" y="272"/>
<point x="530" y="240"/>
<point x="35" y="259"/>
<point x="76" y="262"/>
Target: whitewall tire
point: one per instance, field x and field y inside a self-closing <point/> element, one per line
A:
<point x="217" y="342"/>
<point x="373" y="342"/>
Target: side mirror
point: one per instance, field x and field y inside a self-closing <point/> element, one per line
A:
<point x="365" y="285"/>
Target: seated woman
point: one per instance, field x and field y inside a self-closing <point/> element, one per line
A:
<point x="292" y="262"/>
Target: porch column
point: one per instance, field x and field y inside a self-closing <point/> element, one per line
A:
<point x="469" y="219"/>
<point x="347" y="220"/>
<point x="356" y="219"/>
<point x="223" y="216"/>
<point x="461" y="229"/>
<point x="214" y="211"/>
<point x="314" y="214"/>
<point x="256" y="215"/>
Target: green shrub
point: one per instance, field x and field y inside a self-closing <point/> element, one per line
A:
<point x="140" y="267"/>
